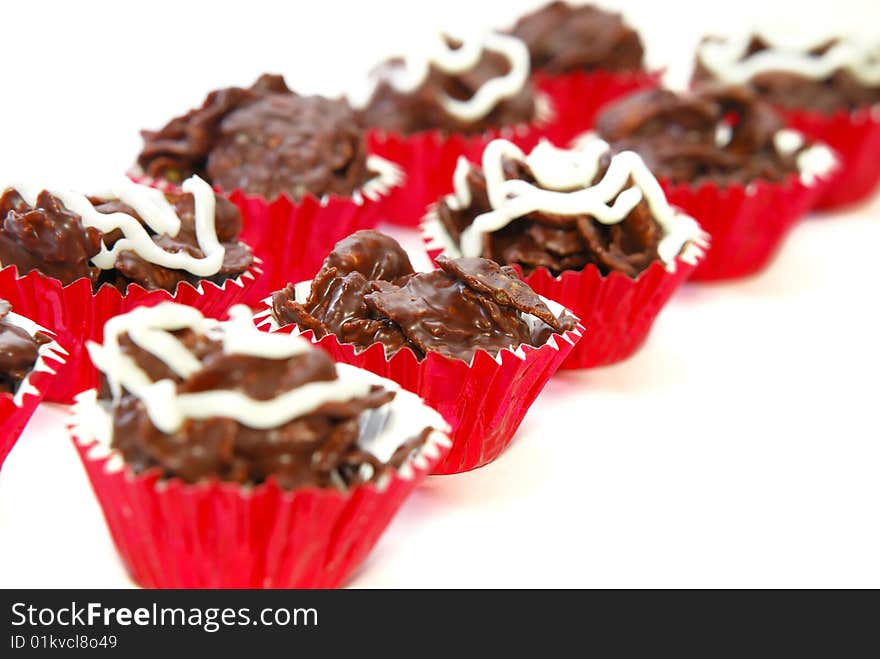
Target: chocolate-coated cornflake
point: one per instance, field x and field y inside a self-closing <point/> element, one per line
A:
<point x="317" y="449"/>
<point x="468" y="305"/>
<point x="265" y="140"/>
<point x="422" y="110"/>
<point x="724" y="134"/>
<point x="556" y="242"/>
<point x="50" y="238"/>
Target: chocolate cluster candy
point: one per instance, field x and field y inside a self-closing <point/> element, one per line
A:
<point x="367" y="292"/>
<point x="19" y="351"/>
<point x="181" y="147"/>
<point x="724" y="134"/>
<point x="46" y="237"/>
<point x="240" y="405"/>
<point x="836" y="74"/>
<point x="43" y="233"/>
<point x="266" y="140"/>
<point x="438" y="92"/>
<point x="562" y="38"/>
<point x="561" y="210"/>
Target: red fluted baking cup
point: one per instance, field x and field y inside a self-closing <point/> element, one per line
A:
<point x="16" y="410"/>
<point x="748" y="224"/>
<point x="290" y="237"/>
<point x="617" y="311"/>
<point x="856" y="138"/>
<point x="170" y="534"/>
<point x="428" y="160"/>
<point x="577" y="97"/>
<point x="484" y="401"/>
<point x="77" y="315"/>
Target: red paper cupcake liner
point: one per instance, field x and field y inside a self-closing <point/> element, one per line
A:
<point x="77" y="315"/>
<point x="171" y="534"/>
<point x="15" y="414"/>
<point x="617" y="311"/>
<point x="748" y="224"/>
<point x="428" y="160"/>
<point x="290" y="237"/>
<point x="484" y="402"/>
<point x="579" y="96"/>
<point x="856" y="138"/>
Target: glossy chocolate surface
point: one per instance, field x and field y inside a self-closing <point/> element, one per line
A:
<point x="318" y="449"/>
<point x="556" y="242"/>
<point x="18" y="351"/>
<point x="53" y="240"/>
<point x="465" y="306"/>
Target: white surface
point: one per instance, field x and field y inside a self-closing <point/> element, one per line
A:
<point x="739" y="448"/>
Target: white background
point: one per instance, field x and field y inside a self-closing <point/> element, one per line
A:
<point x="739" y="448"/>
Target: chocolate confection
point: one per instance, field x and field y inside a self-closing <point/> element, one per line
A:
<point x="721" y="134"/>
<point x="556" y="242"/>
<point x="266" y="140"/>
<point x="290" y="144"/>
<point x="564" y="38"/>
<point x="316" y="448"/>
<point x="792" y="89"/>
<point x="18" y="351"/>
<point x="181" y="147"/>
<point x="423" y="108"/>
<point x="367" y="292"/>
<point x="52" y="239"/>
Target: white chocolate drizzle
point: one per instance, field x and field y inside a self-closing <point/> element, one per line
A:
<point x="387" y="176"/>
<point x="566" y="187"/>
<point x="382" y="430"/>
<point x="412" y="73"/>
<point x="730" y="62"/>
<point x="150" y="329"/>
<point x="155" y="210"/>
<point x="47" y="351"/>
<point x="812" y="162"/>
<point x="723" y="134"/>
